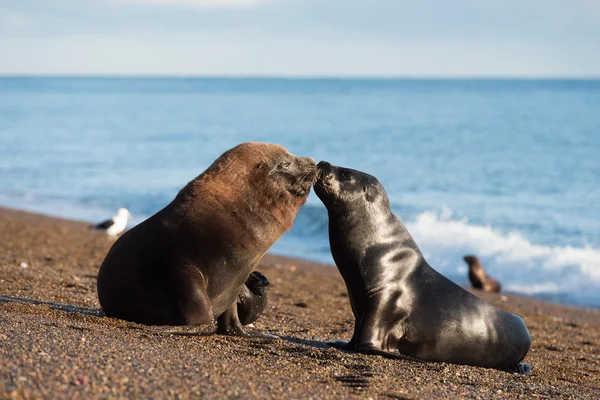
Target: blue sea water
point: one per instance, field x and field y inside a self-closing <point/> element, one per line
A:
<point x="505" y="169"/>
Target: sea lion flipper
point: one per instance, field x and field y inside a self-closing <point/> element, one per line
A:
<point x="379" y="331"/>
<point x="258" y="280"/>
<point x="521" y="368"/>
<point x="374" y="332"/>
<point x="344" y="345"/>
<point x="194" y="303"/>
<point x="339" y="344"/>
<point x="229" y="324"/>
<point x="252" y="298"/>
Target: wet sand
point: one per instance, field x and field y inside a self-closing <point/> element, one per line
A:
<point x="56" y="343"/>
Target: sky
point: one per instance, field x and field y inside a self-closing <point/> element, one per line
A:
<point x="419" y="38"/>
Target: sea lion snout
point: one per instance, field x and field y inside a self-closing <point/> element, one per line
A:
<point x="469" y="259"/>
<point x="296" y="174"/>
<point x="305" y="174"/>
<point x="323" y="165"/>
<point x="310" y="167"/>
<point x="325" y="173"/>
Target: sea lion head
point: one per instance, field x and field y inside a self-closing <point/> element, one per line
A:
<point x="344" y="189"/>
<point x="472" y="261"/>
<point x="256" y="178"/>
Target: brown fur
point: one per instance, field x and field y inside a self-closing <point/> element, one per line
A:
<point x="479" y="279"/>
<point x="238" y="180"/>
<point x="187" y="263"/>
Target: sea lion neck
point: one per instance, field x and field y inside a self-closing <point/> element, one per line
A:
<point x="476" y="269"/>
<point x="263" y="216"/>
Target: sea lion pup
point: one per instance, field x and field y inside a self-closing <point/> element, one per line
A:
<point x="188" y="263"/>
<point x="479" y="279"/>
<point x="401" y="305"/>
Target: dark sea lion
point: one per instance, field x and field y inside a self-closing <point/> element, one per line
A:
<point x="401" y="305"/>
<point x="479" y="279"/>
<point x="191" y="262"/>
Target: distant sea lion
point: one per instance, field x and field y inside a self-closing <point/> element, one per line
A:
<point x="401" y="305"/>
<point x="187" y="264"/>
<point x="479" y="279"/>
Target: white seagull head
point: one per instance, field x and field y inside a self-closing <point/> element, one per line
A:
<point x="123" y="213"/>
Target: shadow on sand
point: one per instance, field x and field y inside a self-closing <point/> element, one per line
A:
<point x="55" y="306"/>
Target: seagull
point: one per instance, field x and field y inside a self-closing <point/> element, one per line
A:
<point x="115" y="225"/>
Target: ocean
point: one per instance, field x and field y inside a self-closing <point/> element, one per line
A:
<point x="508" y="170"/>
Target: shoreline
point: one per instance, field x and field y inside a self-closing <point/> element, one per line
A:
<point x="459" y="279"/>
<point x="53" y="352"/>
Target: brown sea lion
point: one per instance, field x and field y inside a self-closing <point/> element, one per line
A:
<point x="479" y="279"/>
<point x="189" y="262"/>
<point x="400" y="303"/>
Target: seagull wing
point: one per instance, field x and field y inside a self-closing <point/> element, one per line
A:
<point x="103" y="225"/>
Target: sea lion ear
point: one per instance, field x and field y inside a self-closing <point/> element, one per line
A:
<point x="369" y="194"/>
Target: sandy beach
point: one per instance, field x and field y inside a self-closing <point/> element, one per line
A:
<point x="56" y="343"/>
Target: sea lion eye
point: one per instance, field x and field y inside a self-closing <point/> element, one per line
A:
<point x="346" y="176"/>
<point x="285" y="165"/>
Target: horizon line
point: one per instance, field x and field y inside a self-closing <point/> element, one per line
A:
<point x="299" y="77"/>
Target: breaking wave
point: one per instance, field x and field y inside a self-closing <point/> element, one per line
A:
<point x="560" y="273"/>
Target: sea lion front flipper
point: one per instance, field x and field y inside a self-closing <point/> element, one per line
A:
<point x="343" y="344"/>
<point x="229" y="324"/>
<point x="256" y="282"/>
<point x="252" y="298"/>
<point x="379" y="330"/>
<point x="339" y="344"/>
<point x="521" y="368"/>
<point x="348" y="346"/>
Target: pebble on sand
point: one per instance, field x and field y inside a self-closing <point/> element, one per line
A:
<point x="81" y="380"/>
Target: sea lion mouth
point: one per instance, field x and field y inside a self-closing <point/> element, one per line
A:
<point x="324" y="176"/>
<point x="303" y="183"/>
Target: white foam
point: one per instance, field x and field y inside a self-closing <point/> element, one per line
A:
<point x="519" y="264"/>
<point x="534" y="288"/>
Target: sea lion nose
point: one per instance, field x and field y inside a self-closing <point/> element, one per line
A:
<point x="323" y="168"/>
<point x="323" y="165"/>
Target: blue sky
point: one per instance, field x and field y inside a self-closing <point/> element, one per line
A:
<point x="301" y="37"/>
